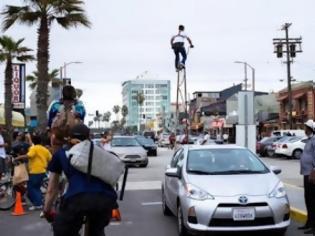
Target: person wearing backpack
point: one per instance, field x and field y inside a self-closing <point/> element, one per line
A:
<point x="86" y="196"/>
<point x="63" y="114"/>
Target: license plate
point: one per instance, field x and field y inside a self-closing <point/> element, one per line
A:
<point x="243" y="214"/>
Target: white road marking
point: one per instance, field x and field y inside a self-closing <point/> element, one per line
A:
<point x="151" y="203"/>
<point x="293" y="186"/>
<point x="120" y="223"/>
<point x="143" y="185"/>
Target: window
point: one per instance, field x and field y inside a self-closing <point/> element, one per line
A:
<point x="149" y="92"/>
<point x="149" y="103"/>
<point x="164" y="97"/>
<point x="175" y="158"/>
<point x="149" y="85"/>
<point x="161" y="86"/>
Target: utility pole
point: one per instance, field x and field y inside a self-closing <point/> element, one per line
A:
<point x="289" y="45"/>
<point x="246" y="79"/>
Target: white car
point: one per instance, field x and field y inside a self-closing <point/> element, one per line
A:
<point x="217" y="188"/>
<point x="292" y="147"/>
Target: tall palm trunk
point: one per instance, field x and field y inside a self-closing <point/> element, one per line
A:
<point x="42" y="67"/>
<point x="8" y="100"/>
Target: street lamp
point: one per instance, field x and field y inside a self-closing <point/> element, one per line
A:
<point x="245" y="71"/>
<point x="64" y="68"/>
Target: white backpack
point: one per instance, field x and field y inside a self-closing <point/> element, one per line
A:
<point x="94" y="160"/>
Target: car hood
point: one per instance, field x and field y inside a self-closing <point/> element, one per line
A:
<point x="128" y="150"/>
<point x="233" y="185"/>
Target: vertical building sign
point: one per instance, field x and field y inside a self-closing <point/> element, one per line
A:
<point x="18" y="86"/>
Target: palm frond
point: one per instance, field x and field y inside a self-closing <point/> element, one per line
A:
<point x="73" y="20"/>
<point x="31" y="78"/>
<point x="25" y="58"/>
<point x="23" y="14"/>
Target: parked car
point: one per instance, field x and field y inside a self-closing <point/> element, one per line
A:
<point x="148" y="144"/>
<point x="271" y="149"/>
<point x="129" y="150"/>
<point x="265" y="144"/>
<point x="197" y="190"/>
<point x="150" y="134"/>
<point x="164" y="140"/>
<point x="292" y="147"/>
<point x="289" y="132"/>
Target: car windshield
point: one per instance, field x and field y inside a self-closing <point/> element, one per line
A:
<point x="293" y="139"/>
<point x="145" y="141"/>
<point x="224" y="162"/>
<point x="124" y="142"/>
<point x="284" y="139"/>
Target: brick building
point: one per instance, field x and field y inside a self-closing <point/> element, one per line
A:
<point x="303" y="102"/>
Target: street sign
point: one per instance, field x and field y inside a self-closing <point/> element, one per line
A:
<point x="18" y="86"/>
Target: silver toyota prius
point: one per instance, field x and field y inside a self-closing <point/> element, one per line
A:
<point x="224" y="188"/>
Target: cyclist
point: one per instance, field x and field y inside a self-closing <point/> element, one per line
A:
<point x="84" y="197"/>
<point x="178" y="45"/>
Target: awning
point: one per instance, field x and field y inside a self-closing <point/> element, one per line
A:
<point x="299" y="95"/>
<point x="17" y="118"/>
<point x="196" y="126"/>
<point x="283" y="97"/>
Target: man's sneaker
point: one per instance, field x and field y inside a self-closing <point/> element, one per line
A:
<point x="181" y="65"/>
<point x="35" y="208"/>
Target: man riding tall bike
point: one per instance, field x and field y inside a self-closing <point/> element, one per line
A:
<point x="178" y="45"/>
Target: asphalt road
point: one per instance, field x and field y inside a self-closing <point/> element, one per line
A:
<point x="141" y="208"/>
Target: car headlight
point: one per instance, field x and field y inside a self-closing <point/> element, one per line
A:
<point x="197" y="193"/>
<point x="278" y="191"/>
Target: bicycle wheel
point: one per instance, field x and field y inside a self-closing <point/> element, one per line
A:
<point x="7" y="196"/>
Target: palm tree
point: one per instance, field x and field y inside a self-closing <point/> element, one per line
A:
<point x="67" y="13"/>
<point x="116" y="110"/>
<point x="124" y="111"/>
<point x="53" y="78"/>
<point x="106" y="116"/>
<point x="140" y="100"/>
<point x="11" y="50"/>
<point x="79" y="92"/>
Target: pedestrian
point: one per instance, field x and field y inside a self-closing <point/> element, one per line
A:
<point x="3" y="145"/>
<point x="106" y="140"/>
<point x="178" y="45"/>
<point x="63" y="113"/>
<point x="206" y="138"/>
<point x="38" y="158"/>
<point x="85" y="197"/>
<point x="307" y="162"/>
<point x="172" y="140"/>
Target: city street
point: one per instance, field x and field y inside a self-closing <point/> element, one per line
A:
<point x="141" y="208"/>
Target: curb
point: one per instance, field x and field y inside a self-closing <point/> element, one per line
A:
<point x="298" y="215"/>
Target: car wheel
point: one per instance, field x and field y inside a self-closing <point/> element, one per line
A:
<point x="155" y="153"/>
<point x="270" y="153"/>
<point x="165" y="208"/>
<point x="297" y="154"/>
<point x="144" y="164"/>
<point x="182" y="230"/>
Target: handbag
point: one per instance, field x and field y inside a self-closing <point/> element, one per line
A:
<point x="95" y="161"/>
<point x="20" y="174"/>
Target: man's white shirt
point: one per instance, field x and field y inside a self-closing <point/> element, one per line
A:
<point x="2" y="149"/>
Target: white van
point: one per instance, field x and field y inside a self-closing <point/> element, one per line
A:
<point x="290" y="132"/>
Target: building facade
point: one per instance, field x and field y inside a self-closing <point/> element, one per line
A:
<point x="303" y="107"/>
<point x="156" y="102"/>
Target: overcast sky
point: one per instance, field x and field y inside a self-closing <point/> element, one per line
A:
<point x="129" y="37"/>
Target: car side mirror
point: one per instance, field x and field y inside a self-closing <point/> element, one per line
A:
<point x="275" y="169"/>
<point x="173" y="172"/>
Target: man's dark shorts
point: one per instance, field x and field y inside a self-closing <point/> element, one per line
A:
<point x="3" y="165"/>
<point x="96" y="206"/>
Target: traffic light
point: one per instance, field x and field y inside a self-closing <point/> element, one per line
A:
<point x="292" y="50"/>
<point x="143" y="116"/>
<point x="279" y="50"/>
<point x="97" y="113"/>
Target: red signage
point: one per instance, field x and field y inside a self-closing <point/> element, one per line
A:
<point x="18" y="86"/>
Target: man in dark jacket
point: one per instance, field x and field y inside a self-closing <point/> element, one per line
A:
<point x="85" y="197"/>
<point x="307" y="170"/>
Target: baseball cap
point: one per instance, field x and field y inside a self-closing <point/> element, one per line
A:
<point x="80" y="131"/>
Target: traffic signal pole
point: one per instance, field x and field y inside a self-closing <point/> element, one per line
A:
<point x="288" y="62"/>
<point x="290" y="50"/>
